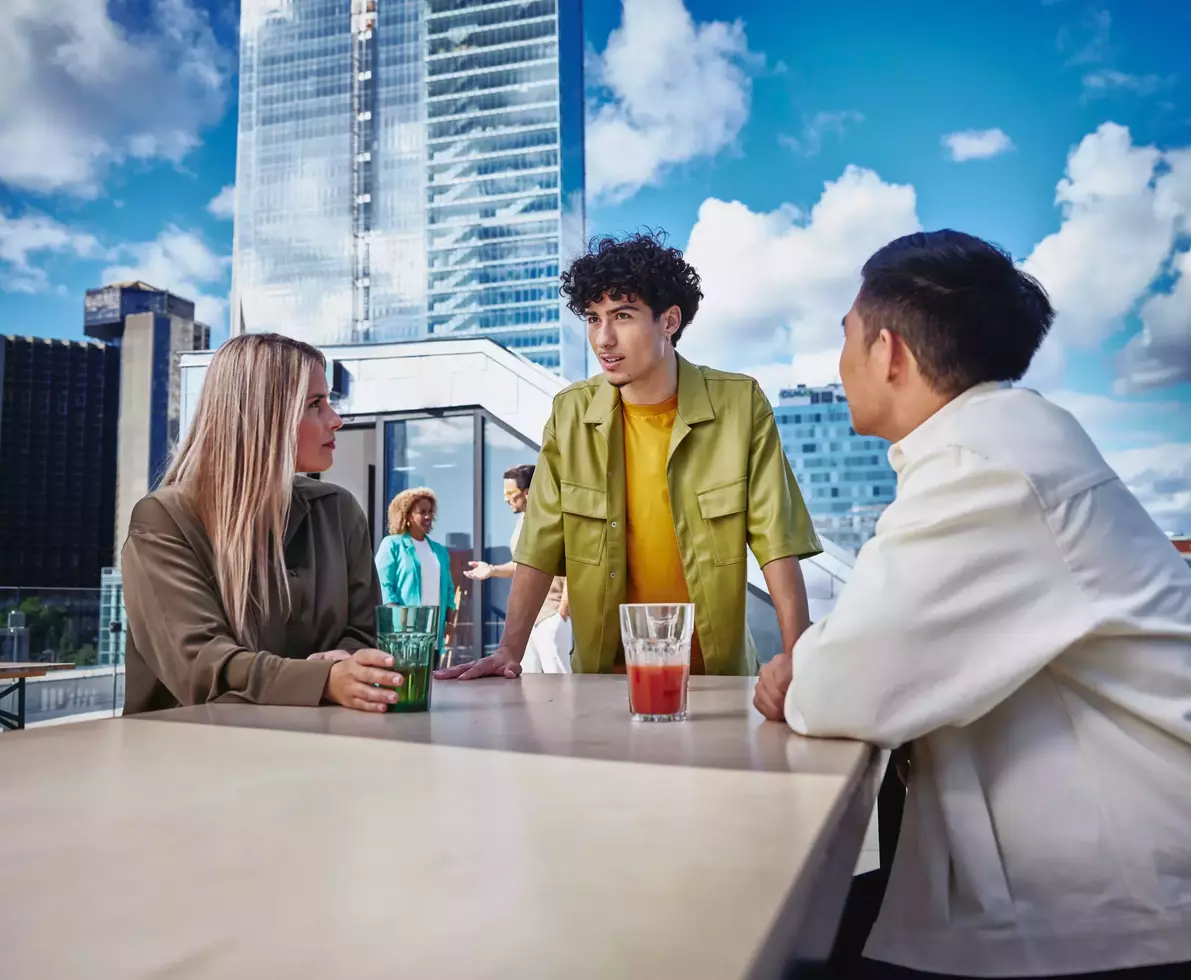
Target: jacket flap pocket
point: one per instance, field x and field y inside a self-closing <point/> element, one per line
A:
<point x="584" y="501"/>
<point x="722" y="501"/>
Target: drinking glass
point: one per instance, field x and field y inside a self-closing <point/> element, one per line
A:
<point x="409" y="634"/>
<point x="657" y="653"/>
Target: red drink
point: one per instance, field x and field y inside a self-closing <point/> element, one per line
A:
<point x="657" y="689"/>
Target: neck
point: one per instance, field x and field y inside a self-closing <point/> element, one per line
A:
<point x="905" y="418"/>
<point x="417" y="533"/>
<point x="657" y="386"/>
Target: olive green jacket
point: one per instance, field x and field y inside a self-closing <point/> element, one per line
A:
<point x="730" y="485"/>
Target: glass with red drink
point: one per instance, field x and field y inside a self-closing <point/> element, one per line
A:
<point x="657" y="653"/>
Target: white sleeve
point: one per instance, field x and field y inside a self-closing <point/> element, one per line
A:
<point x="958" y="600"/>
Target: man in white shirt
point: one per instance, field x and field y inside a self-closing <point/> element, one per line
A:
<point x="1020" y="620"/>
<point x="550" y="642"/>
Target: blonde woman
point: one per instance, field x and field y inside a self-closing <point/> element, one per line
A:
<point x="243" y="581"/>
<point x="415" y="571"/>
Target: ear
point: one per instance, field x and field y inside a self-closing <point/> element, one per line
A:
<point x="671" y="321"/>
<point x="900" y="365"/>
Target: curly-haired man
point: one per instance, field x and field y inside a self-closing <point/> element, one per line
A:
<point x="653" y="478"/>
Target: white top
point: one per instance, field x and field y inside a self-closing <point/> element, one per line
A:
<point x="1023" y="621"/>
<point x="428" y="561"/>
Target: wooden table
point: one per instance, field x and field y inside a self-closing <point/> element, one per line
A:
<point x="520" y="829"/>
<point x="21" y="672"/>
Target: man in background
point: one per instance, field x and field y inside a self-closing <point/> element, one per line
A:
<point x="549" y="647"/>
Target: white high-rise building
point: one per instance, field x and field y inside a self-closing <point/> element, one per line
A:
<point x="410" y="169"/>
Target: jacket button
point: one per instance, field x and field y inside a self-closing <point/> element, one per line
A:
<point x="614" y="523"/>
<point x="614" y="575"/>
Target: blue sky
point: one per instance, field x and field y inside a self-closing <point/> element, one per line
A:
<point x="779" y="143"/>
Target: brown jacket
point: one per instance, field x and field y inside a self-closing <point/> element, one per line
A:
<point x="180" y="649"/>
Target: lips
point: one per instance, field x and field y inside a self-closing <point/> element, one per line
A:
<point x="611" y="362"/>
<point x="329" y="445"/>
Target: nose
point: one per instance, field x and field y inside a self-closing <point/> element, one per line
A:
<point x="336" y="421"/>
<point x="603" y="337"/>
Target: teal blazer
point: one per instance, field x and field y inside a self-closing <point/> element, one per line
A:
<point x="401" y="576"/>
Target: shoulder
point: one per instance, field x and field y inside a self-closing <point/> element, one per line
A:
<point x="165" y="511"/>
<point x="735" y="392"/>
<point x="576" y="397"/>
<point x="328" y="496"/>
<point x="1018" y="430"/>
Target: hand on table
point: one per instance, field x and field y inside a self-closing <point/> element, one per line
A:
<point x="478" y="570"/>
<point x="352" y="679"/>
<point x="769" y="696"/>
<point x="500" y="664"/>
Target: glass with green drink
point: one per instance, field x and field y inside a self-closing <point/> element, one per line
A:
<point x="409" y="634"/>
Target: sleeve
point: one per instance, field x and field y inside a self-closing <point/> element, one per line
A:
<point x="178" y="624"/>
<point x="363" y="585"/>
<point x="961" y="598"/>
<point x="541" y="543"/>
<point x="779" y="525"/>
<point x="386" y="568"/>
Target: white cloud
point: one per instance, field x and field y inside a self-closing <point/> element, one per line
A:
<point x="34" y="234"/>
<point x="181" y="262"/>
<point x="776" y="285"/>
<point x="1160" y="477"/>
<point x="82" y="92"/>
<point x="1107" y="80"/>
<point x="666" y="90"/>
<point x="223" y="204"/>
<point x="821" y="124"/>
<point x="1123" y="209"/>
<point x="1113" y="422"/>
<point x="977" y="144"/>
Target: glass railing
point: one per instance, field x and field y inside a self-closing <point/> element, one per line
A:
<point x="62" y="626"/>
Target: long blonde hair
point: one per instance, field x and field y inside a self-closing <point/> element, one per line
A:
<point x="236" y="466"/>
<point x="401" y="506"/>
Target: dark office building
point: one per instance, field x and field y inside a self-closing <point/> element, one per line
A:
<point x="59" y="409"/>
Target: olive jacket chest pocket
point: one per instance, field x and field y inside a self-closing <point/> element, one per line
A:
<point x="584" y="522"/>
<point x="725" y="509"/>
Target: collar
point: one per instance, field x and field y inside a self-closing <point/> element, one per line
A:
<point x="694" y="404"/>
<point x="308" y="489"/>
<point x="916" y="442"/>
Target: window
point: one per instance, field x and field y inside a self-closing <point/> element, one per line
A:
<point x="810" y="447"/>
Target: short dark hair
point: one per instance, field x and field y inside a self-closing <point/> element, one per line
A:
<point x="963" y="308"/>
<point x="640" y="266"/>
<point x="521" y="475"/>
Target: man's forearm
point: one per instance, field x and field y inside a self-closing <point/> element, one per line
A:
<point x="504" y="571"/>
<point x="787" y="589"/>
<point x="526" y="596"/>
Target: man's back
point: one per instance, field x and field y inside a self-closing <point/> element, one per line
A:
<point x="1058" y="795"/>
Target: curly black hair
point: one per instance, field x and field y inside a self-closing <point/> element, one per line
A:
<point x="641" y="266"/>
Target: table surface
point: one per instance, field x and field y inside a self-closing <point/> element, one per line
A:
<point x="525" y="829"/>
<point x="17" y="670"/>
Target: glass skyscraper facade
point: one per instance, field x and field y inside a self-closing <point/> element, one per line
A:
<point x="411" y="169"/>
<point x="846" y="479"/>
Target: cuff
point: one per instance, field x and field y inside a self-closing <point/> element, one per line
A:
<point x="300" y="683"/>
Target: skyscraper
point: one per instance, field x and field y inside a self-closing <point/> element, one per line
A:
<point x="845" y="478"/>
<point x="59" y="402"/>
<point x="150" y="327"/>
<point x="411" y="168"/>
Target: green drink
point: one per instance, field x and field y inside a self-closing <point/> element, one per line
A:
<point x="409" y="634"/>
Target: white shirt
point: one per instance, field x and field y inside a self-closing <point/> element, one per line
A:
<point x="428" y="562"/>
<point x="1021" y="619"/>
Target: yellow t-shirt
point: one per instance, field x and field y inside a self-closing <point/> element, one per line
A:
<point x="654" y="562"/>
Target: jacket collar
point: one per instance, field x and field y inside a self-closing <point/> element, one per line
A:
<point x="305" y="490"/>
<point x="694" y="404"/>
<point x="922" y="439"/>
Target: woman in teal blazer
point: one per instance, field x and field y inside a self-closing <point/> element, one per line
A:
<point x="407" y="558"/>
